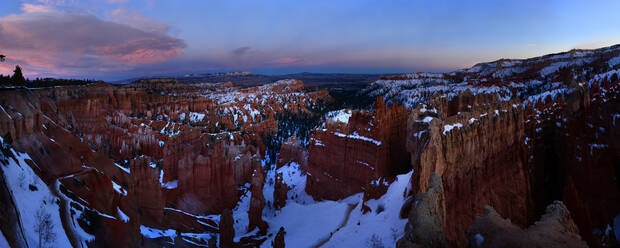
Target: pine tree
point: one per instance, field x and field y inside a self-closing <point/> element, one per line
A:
<point x="18" y="77"/>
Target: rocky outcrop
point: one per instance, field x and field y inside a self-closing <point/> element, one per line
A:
<point x="257" y="201"/>
<point x="280" y="192"/>
<point x="555" y="229"/>
<point x="344" y="158"/>
<point x="227" y="230"/>
<point x="426" y="217"/>
<point x="572" y="146"/>
<point x="161" y="151"/>
<point x="278" y="241"/>
<point x="292" y="151"/>
<point x="480" y="157"/>
<point x="19" y="115"/>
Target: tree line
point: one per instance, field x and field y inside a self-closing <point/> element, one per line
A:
<point x="18" y="79"/>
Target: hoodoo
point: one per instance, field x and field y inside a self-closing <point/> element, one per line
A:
<point x="515" y="152"/>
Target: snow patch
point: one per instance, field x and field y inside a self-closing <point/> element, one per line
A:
<point x="342" y="115"/>
<point x="171" y="184"/>
<point x="479" y="239"/>
<point x="354" y="135"/>
<point x="449" y="127"/>
<point x="154" y="233"/>
<point x="196" y="117"/>
<point x="122" y="168"/>
<point x="118" y="188"/>
<point x="122" y="215"/>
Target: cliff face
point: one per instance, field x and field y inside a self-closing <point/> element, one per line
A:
<point x="292" y="151"/>
<point x="517" y="135"/>
<point x="160" y="152"/>
<point x="480" y="157"/>
<point x="572" y="147"/>
<point x="347" y="155"/>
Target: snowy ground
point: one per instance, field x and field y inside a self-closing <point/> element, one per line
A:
<point x="308" y="223"/>
<point x="376" y="227"/>
<point x="3" y="242"/>
<point x="34" y="201"/>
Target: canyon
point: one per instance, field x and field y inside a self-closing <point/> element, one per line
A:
<point x="512" y="152"/>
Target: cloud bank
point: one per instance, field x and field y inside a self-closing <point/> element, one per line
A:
<point x="48" y="42"/>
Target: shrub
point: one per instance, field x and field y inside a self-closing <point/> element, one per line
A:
<point x="375" y="242"/>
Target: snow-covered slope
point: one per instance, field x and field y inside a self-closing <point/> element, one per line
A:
<point x="38" y="208"/>
<point x="335" y="223"/>
<point x="505" y="78"/>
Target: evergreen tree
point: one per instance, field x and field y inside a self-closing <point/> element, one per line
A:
<point x="18" y="77"/>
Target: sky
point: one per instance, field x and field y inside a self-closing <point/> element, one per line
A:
<point x="120" y="39"/>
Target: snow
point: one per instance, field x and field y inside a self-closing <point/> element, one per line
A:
<point x="122" y="215"/>
<point x="118" y="188"/>
<point x="419" y="134"/>
<point x="182" y="116"/>
<point x="196" y="117"/>
<point x="354" y="135"/>
<point x="614" y="61"/>
<point x="19" y="176"/>
<point x="317" y="142"/>
<point x="7" y="114"/>
<point x="154" y="233"/>
<point x="82" y="236"/>
<point x="449" y="127"/>
<point x="479" y="239"/>
<point x="240" y="213"/>
<point x="386" y="226"/>
<point x="171" y="184"/>
<point x="597" y="146"/>
<point x="326" y="217"/>
<point x="3" y="241"/>
<point x="295" y="179"/>
<point x="617" y="228"/>
<point x="253" y="112"/>
<point x="296" y="218"/>
<point x="426" y="119"/>
<point x="342" y="115"/>
<point x="553" y="68"/>
<point x="424" y="109"/>
<point x="543" y="96"/>
<point x="122" y="168"/>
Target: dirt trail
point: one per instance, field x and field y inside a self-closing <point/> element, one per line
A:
<point x="344" y="222"/>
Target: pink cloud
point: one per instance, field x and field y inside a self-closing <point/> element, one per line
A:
<point x="45" y="41"/>
<point x="35" y="8"/>
<point x="286" y="60"/>
<point x="136" y="20"/>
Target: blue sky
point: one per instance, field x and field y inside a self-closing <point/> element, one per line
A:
<point x="114" y="39"/>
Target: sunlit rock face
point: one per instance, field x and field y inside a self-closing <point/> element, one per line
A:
<point x="439" y="159"/>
